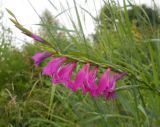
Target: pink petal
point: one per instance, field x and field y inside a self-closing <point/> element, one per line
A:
<point x="103" y="82"/>
<point x="90" y="82"/>
<point x="70" y="85"/>
<point x="109" y="92"/>
<point x="64" y="74"/>
<point x="53" y="66"/>
<point x="39" y="57"/>
<point x="37" y="38"/>
<point x="80" y="77"/>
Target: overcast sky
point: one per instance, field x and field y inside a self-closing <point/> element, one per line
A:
<point x="27" y="16"/>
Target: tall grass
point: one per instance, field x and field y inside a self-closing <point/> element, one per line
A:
<point x="137" y="100"/>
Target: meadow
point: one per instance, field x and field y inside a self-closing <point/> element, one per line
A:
<point x="126" y="39"/>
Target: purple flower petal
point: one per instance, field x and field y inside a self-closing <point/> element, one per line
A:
<point x="39" y="57"/>
<point x="53" y="66"/>
<point x="37" y="38"/>
<point x="64" y="74"/>
<point x="90" y="82"/>
<point x="79" y="79"/>
<point x="109" y="92"/>
<point x="103" y="82"/>
<point x="70" y="85"/>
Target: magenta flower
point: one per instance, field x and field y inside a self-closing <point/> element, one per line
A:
<point x="106" y="84"/>
<point x="53" y="66"/>
<point x="90" y="82"/>
<point x="37" y="38"/>
<point x="64" y="74"/>
<point x="39" y="57"/>
<point x="79" y="79"/>
<point x="109" y="92"/>
<point x="103" y="82"/>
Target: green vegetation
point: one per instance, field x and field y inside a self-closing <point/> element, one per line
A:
<point x="29" y="100"/>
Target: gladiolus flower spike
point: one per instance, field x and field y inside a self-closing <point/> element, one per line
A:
<point x="85" y="79"/>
